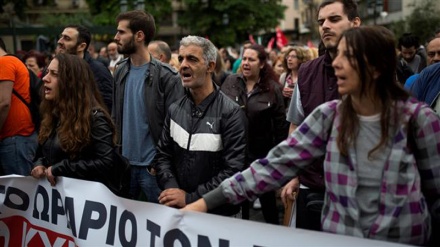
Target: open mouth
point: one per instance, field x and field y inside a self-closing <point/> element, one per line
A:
<point x="186" y="75"/>
<point x="341" y="78"/>
<point x="47" y="90"/>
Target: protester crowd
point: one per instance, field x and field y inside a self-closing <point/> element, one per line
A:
<point x="351" y="135"/>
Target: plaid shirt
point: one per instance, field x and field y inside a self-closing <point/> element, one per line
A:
<point x="403" y="208"/>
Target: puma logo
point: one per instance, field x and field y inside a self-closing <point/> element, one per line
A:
<point x="210" y="125"/>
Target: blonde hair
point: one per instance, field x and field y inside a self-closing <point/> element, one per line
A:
<point x="302" y="54"/>
<point x="313" y="51"/>
<point x="174" y="61"/>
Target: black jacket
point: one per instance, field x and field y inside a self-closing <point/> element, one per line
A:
<point x="93" y="163"/>
<point x="265" y="112"/>
<point x="103" y="78"/>
<point x="201" y="146"/>
<point x="163" y="87"/>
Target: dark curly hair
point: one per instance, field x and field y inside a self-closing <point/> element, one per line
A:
<point x="266" y="73"/>
<point x="70" y="113"/>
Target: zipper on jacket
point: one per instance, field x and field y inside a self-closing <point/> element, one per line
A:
<point x="189" y="139"/>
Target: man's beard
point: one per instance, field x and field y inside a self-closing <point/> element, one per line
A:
<point x="332" y="49"/>
<point x="128" y="49"/>
<point x="71" y="50"/>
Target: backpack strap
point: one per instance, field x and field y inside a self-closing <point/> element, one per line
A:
<point x="15" y="92"/>
<point x="21" y="98"/>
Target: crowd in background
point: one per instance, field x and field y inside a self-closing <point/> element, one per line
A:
<point x="267" y="112"/>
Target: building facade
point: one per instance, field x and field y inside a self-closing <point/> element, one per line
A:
<point x="299" y="23"/>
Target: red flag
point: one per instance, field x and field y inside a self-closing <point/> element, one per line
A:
<point x="251" y="39"/>
<point x="310" y="44"/>
<point x="281" y="38"/>
<point x="270" y="44"/>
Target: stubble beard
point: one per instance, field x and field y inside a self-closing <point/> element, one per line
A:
<point x="128" y="49"/>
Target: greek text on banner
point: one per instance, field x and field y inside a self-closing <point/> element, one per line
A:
<point x="83" y="213"/>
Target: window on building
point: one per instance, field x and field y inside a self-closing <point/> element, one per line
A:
<point x="296" y="4"/>
<point x="296" y="23"/>
<point x="394" y="6"/>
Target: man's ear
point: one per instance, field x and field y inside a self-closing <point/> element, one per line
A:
<point x="211" y="67"/>
<point x="139" y="36"/>
<point x="356" y="22"/>
<point x="162" y="58"/>
<point x="81" y="47"/>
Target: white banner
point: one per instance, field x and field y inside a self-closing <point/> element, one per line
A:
<point x="82" y="213"/>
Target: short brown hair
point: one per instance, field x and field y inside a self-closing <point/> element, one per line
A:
<point x="139" y="20"/>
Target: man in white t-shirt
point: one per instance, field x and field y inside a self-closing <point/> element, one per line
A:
<point x="114" y="56"/>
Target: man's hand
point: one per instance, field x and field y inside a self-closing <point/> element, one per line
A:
<point x="173" y="198"/>
<point x="290" y="191"/>
<point x="198" y="206"/>
<point x="38" y="172"/>
<point x="50" y="177"/>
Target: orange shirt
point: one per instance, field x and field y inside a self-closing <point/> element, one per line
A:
<point x="19" y="120"/>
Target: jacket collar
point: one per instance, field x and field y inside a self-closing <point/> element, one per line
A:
<point x="199" y="111"/>
<point x="87" y="56"/>
<point x="153" y="61"/>
<point x="257" y="88"/>
<point x="328" y="62"/>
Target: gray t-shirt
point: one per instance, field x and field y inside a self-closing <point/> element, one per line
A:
<point x="414" y="64"/>
<point x="369" y="170"/>
<point x="137" y="142"/>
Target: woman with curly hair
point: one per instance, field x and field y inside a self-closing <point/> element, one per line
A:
<point x="293" y="59"/>
<point x="77" y="136"/>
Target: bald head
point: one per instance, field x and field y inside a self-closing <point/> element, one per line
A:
<point x="160" y="50"/>
<point x="433" y="51"/>
<point x="112" y="50"/>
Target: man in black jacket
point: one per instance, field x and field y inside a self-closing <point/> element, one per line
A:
<point x="144" y="89"/>
<point x="203" y="140"/>
<point x="75" y="40"/>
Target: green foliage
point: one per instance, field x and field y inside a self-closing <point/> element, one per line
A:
<point x="60" y="20"/>
<point x="398" y="28"/>
<point x="104" y="12"/>
<point x="422" y="22"/>
<point x="19" y="6"/>
<point x="227" y="22"/>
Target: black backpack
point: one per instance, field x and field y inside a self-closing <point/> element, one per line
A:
<point x="35" y="84"/>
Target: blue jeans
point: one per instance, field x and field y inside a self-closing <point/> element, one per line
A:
<point x="17" y="154"/>
<point x="141" y="179"/>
